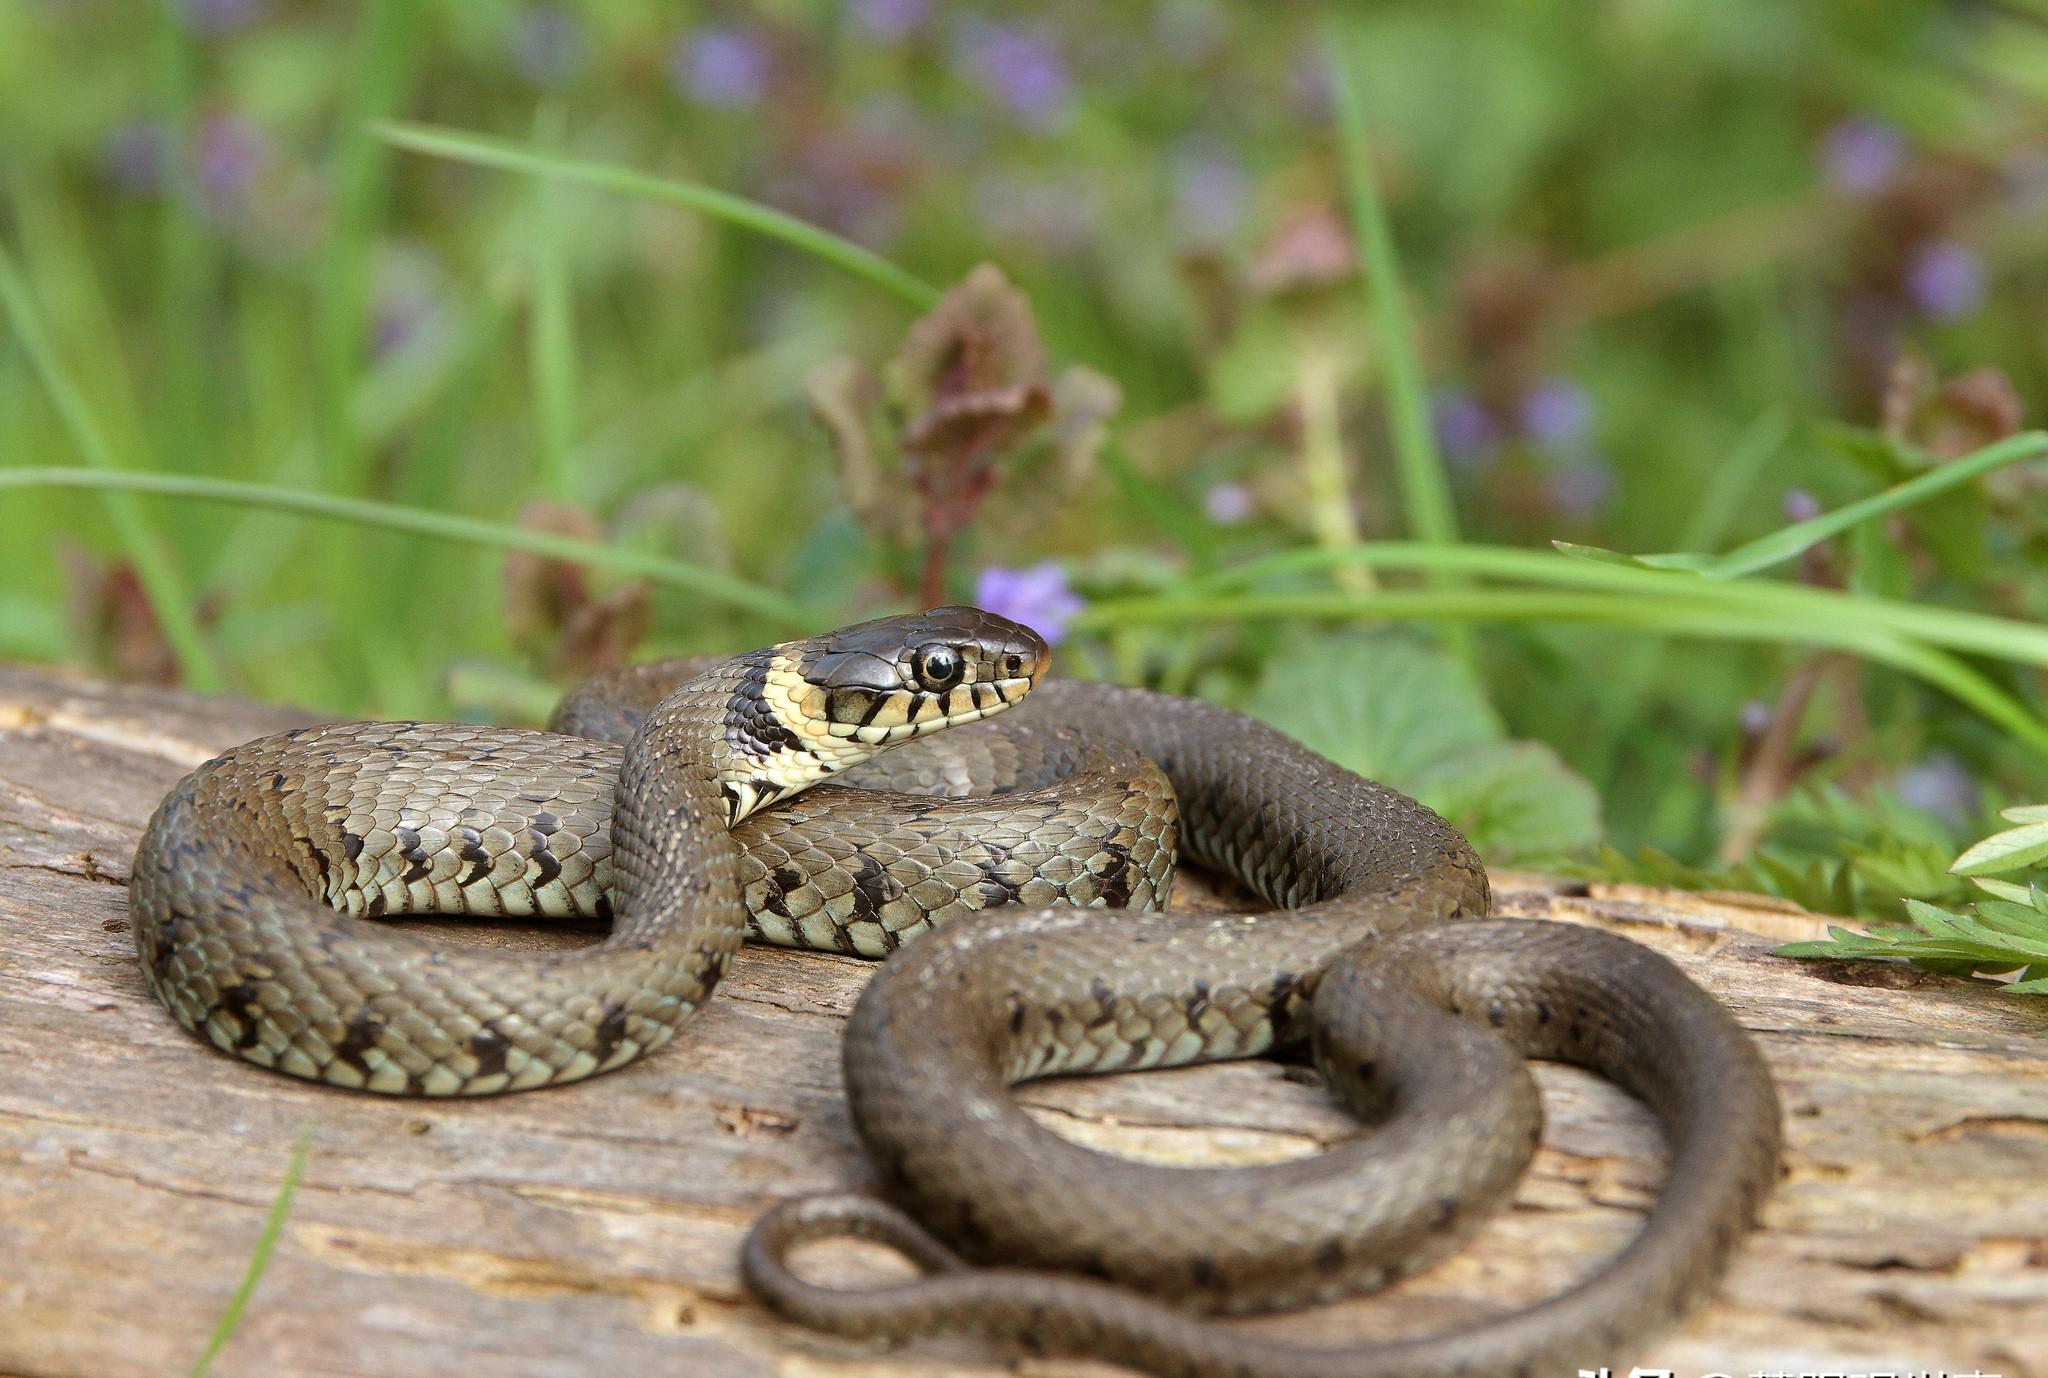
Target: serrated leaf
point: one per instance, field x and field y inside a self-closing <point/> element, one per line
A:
<point x="1513" y="799"/>
<point x="2007" y="851"/>
<point x="2038" y="986"/>
<point x="2021" y="920"/>
<point x="1812" y="948"/>
<point x="1411" y="716"/>
<point x="1384" y="705"/>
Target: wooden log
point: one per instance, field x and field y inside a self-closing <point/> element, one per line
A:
<point x="594" y="1229"/>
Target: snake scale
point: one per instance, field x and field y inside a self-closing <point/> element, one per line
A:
<point x="254" y="876"/>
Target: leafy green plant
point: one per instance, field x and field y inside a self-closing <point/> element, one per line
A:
<point x="1831" y="853"/>
<point x="1403" y="712"/>
<point x="2007" y="932"/>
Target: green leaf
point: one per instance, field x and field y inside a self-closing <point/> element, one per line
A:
<point x="1385" y="705"/>
<point x="1411" y="716"/>
<point x="1686" y="560"/>
<point x="1597" y="554"/>
<point x="2004" y="889"/>
<point x="1513" y="799"/>
<point x="2007" y="851"/>
<point x="2025" y="813"/>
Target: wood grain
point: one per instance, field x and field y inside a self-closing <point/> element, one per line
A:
<point x="593" y="1229"/>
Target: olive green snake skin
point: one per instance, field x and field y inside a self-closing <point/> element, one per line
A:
<point x="255" y="874"/>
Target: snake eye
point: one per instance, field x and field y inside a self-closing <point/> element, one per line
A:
<point x="1013" y="665"/>
<point x="937" y="666"/>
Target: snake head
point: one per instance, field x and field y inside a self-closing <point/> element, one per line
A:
<point x="878" y="683"/>
<point x="806" y="710"/>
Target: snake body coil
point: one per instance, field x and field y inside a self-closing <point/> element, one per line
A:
<point x="1419" y="1022"/>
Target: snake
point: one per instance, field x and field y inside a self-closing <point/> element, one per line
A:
<point x="830" y="793"/>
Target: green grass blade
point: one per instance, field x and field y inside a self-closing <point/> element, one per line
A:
<point x="259" y="1257"/>
<point x="551" y="337"/>
<point x="183" y="287"/>
<point x="481" y="151"/>
<point x="441" y="525"/>
<point x="1789" y="542"/>
<point x="382" y="69"/>
<point x="162" y="581"/>
<point x="1671" y="616"/>
<point x="1425" y="493"/>
<point x="1800" y="605"/>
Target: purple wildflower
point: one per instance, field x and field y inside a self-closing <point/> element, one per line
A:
<point x="1582" y="488"/>
<point x="409" y="307"/>
<point x="1801" y="506"/>
<point x="1941" y="785"/>
<point x="1556" y="412"/>
<point x="215" y="17"/>
<point x="232" y="155"/>
<point x="891" y="21"/>
<point x="1026" y="71"/>
<point x="137" y="157"/>
<point x="1756" y="716"/>
<point x="1945" y="280"/>
<point x="1039" y="597"/>
<point x="722" y="67"/>
<point x="1308" y="84"/>
<point x="548" y="45"/>
<point x="1861" y="155"/>
<point x="1229" y="503"/>
<point x="1210" y="191"/>
<point x="1464" y="427"/>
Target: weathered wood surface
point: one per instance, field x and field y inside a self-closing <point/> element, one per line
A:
<point x="593" y="1229"/>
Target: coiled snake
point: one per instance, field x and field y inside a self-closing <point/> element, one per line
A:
<point x="251" y="875"/>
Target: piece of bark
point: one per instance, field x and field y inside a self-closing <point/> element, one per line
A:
<point x="594" y="1228"/>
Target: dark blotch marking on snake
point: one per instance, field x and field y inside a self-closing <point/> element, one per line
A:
<point x="1115" y="878"/>
<point x="410" y="848"/>
<point x="489" y="1047"/>
<point x="760" y="732"/>
<point x="472" y="851"/>
<point x="780" y="882"/>
<point x="546" y="861"/>
<point x="358" y="1036"/>
<point x="996" y="888"/>
<point x="611" y="1030"/>
<point x="240" y="1001"/>
<point x="873" y="887"/>
<point x="1104" y="997"/>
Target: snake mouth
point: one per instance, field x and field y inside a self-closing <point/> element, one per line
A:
<point x="883" y="718"/>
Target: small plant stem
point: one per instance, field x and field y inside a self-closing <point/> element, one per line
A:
<point x="1330" y="513"/>
<point x="1770" y="766"/>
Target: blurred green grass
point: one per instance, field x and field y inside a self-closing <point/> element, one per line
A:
<point x="1644" y="252"/>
